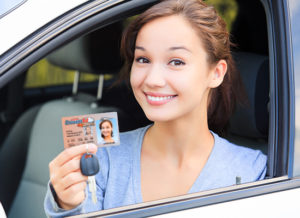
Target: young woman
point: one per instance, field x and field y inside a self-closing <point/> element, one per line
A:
<point x="106" y="128"/>
<point x="182" y="74"/>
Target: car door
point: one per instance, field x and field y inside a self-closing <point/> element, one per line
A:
<point x="279" y="49"/>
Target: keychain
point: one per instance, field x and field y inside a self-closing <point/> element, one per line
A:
<point x="89" y="165"/>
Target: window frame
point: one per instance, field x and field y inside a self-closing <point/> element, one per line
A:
<point x="197" y="200"/>
<point x="282" y="123"/>
<point x="294" y="14"/>
<point x="99" y="13"/>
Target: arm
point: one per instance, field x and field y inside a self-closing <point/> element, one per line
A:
<point x="69" y="195"/>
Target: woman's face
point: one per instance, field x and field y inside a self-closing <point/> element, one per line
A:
<point x="170" y="75"/>
<point x="106" y="129"/>
<point x="88" y="130"/>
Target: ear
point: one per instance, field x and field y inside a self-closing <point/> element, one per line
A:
<point x="217" y="74"/>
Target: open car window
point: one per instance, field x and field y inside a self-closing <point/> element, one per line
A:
<point x="46" y="76"/>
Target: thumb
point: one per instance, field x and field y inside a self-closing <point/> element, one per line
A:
<point x="90" y="148"/>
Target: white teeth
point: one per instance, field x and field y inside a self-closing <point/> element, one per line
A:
<point x="152" y="98"/>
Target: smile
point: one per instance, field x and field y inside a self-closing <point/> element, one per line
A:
<point x="158" y="99"/>
<point x="153" y="98"/>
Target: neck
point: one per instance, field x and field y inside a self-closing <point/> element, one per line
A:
<point x="182" y="139"/>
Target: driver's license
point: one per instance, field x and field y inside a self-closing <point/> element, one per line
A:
<point x="101" y="129"/>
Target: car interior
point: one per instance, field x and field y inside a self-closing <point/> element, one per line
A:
<point x="30" y="118"/>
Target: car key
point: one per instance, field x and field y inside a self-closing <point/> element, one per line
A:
<point x="92" y="188"/>
<point x="89" y="166"/>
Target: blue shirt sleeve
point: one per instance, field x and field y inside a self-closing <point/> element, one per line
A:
<point x="53" y="210"/>
<point x="261" y="165"/>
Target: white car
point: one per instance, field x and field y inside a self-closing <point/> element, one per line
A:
<point x="60" y="58"/>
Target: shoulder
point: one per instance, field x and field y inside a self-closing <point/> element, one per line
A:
<point x="240" y="161"/>
<point x="133" y="135"/>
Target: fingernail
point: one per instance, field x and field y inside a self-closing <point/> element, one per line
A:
<point x="93" y="146"/>
<point x="90" y="147"/>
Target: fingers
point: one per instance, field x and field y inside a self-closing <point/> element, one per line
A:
<point x="65" y="175"/>
<point x="78" y="187"/>
<point x="72" y="152"/>
<point x="72" y="196"/>
<point x="68" y="161"/>
<point x="69" y="167"/>
<point x="73" y="178"/>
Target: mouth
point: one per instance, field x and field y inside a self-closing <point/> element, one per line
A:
<point x="158" y="99"/>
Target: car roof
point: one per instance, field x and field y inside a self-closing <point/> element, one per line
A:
<point x="29" y="17"/>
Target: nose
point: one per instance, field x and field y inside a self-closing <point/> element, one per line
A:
<point x="155" y="76"/>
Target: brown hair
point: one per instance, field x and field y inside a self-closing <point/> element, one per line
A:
<point x="215" y="38"/>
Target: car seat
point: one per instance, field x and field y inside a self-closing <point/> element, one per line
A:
<point x="36" y="138"/>
<point x="249" y="124"/>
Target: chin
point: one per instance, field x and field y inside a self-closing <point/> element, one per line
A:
<point x="159" y="117"/>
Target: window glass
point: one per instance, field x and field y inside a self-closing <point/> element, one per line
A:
<point x="43" y="74"/>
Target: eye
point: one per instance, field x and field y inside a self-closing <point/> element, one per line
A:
<point x="176" y="62"/>
<point x="142" y="60"/>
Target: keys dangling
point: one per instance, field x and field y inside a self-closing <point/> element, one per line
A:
<point x="93" y="188"/>
<point x="89" y="166"/>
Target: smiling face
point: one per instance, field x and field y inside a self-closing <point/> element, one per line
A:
<point x="106" y="129"/>
<point x="170" y="75"/>
<point x="88" y="130"/>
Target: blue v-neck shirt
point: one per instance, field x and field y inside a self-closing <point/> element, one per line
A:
<point x="119" y="179"/>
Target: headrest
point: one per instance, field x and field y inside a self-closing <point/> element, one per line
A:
<point x="97" y="52"/>
<point x="252" y="120"/>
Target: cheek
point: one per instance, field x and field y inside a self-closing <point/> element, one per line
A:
<point x="191" y="82"/>
<point x="136" y="78"/>
<point x="184" y="80"/>
<point x="200" y="75"/>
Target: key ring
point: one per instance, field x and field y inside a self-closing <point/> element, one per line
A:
<point x="87" y="148"/>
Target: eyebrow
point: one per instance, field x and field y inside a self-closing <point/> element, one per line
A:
<point x="171" y="49"/>
<point x="179" y="47"/>
<point x="140" y="48"/>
